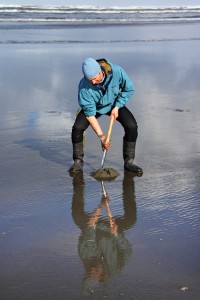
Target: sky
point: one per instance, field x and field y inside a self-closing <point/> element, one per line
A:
<point x="105" y="3"/>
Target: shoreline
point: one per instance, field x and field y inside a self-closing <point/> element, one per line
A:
<point x="81" y="34"/>
<point x="101" y="23"/>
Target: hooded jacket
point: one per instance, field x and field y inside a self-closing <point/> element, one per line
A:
<point x="116" y="90"/>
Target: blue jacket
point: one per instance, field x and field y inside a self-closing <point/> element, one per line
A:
<point x="115" y="91"/>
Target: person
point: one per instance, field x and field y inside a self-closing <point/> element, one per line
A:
<point x="104" y="90"/>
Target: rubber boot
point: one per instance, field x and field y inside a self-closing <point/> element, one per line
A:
<point x="78" y="155"/>
<point x="129" y="156"/>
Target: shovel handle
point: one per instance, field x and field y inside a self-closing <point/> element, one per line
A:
<point x="108" y="138"/>
<point x="112" y="119"/>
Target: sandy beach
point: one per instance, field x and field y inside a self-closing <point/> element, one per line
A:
<point x="44" y="250"/>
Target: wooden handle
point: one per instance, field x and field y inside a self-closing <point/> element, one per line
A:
<point x="110" y="129"/>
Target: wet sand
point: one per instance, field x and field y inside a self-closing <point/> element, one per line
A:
<point x="53" y="242"/>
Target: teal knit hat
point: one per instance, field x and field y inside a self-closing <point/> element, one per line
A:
<point x="90" y="68"/>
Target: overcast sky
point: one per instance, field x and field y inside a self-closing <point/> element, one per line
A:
<point x="106" y="3"/>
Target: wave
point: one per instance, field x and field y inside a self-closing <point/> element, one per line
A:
<point x="36" y="42"/>
<point x="104" y="21"/>
<point x="96" y="14"/>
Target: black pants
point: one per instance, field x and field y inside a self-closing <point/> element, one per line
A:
<point x="125" y="118"/>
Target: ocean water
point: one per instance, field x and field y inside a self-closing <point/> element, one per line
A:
<point x="58" y="25"/>
<point x="98" y="15"/>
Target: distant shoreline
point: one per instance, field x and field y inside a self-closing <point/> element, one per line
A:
<point x="22" y="33"/>
<point x="56" y="24"/>
<point x="93" y="15"/>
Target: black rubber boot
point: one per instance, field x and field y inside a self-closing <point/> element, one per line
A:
<point x="78" y="154"/>
<point x="129" y="156"/>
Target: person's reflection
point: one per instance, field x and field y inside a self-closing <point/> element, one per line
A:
<point x="102" y="246"/>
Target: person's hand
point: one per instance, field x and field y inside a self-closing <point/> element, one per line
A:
<point x="104" y="145"/>
<point x="114" y="112"/>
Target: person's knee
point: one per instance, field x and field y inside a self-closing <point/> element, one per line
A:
<point x="131" y="126"/>
<point x="131" y="132"/>
<point x="77" y="134"/>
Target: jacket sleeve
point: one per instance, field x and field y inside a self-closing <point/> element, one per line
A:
<point x="86" y="102"/>
<point x="126" y="88"/>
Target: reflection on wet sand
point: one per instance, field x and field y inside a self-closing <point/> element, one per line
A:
<point x="102" y="246"/>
